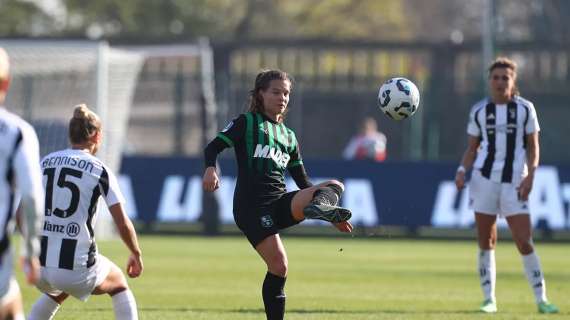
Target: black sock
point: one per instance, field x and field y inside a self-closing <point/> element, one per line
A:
<point x="329" y="195"/>
<point x="274" y="296"/>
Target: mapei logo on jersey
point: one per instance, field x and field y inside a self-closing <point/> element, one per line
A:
<point x="279" y="157"/>
<point x="266" y="221"/>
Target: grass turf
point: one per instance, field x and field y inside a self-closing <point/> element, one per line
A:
<point x="329" y="278"/>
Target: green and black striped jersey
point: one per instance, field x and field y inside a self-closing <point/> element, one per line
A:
<point x="264" y="150"/>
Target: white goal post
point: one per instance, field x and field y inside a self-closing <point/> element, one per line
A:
<point x="50" y="77"/>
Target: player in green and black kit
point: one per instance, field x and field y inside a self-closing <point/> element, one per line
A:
<point x="264" y="149"/>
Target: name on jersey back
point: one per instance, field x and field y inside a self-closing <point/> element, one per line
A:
<point x="55" y="161"/>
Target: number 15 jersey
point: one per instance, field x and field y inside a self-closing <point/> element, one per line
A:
<point x="74" y="181"/>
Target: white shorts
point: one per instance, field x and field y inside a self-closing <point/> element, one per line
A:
<point x="494" y="198"/>
<point x="77" y="283"/>
<point x="6" y="272"/>
<point x="9" y="289"/>
<point x="11" y="294"/>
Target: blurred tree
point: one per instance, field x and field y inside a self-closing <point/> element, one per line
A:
<point x="221" y="19"/>
<point x="19" y="18"/>
<point x="336" y="19"/>
<point x="164" y="20"/>
<point x="151" y="19"/>
<point x="549" y="20"/>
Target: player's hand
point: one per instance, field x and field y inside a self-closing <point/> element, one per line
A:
<point x="211" y="181"/>
<point x="344" y="226"/>
<point x="525" y="187"/>
<point x="135" y="265"/>
<point x="460" y="180"/>
<point x="31" y="268"/>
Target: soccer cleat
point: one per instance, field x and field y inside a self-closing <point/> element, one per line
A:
<point x="488" y="306"/>
<point x="327" y="213"/>
<point x="547" y="307"/>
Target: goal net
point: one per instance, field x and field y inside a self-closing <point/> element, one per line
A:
<point x="49" y="78"/>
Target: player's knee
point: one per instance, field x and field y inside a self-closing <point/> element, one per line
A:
<point x="280" y="270"/>
<point x="493" y="242"/>
<point x="525" y="246"/>
<point x="488" y="243"/>
<point x="279" y="267"/>
<point x="118" y="289"/>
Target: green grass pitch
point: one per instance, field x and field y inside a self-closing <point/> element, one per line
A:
<point x="329" y="278"/>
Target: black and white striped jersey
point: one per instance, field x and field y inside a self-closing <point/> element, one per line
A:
<point x="19" y="169"/>
<point x="74" y="181"/>
<point x="502" y="129"/>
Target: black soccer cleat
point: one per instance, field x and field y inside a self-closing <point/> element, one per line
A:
<point x="327" y="213"/>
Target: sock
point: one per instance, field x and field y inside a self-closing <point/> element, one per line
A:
<point x="487" y="273"/>
<point x="329" y="195"/>
<point x="125" y="306"/>
<point x="534" y="276"/>
<point x="274" y="296"/>
<point x="45" y="308"/>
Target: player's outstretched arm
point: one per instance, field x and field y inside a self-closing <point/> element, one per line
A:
<point x="129" y="237"/>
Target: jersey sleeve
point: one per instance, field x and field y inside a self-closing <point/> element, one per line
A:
<point x="29" y="182"/>
<point x="531" y="125"/>
<point x="295" y="154"/>
<point x="233" y="132"/>
<point x="473" y="127"/>
<point x="109" y="186"/>
<point x="27" y="166"/>
<point x="299" y="175"/>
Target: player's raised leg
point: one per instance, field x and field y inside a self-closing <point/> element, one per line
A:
<point x="320" y="202"/>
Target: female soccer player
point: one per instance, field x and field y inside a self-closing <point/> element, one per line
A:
<point x="503" y="150"/>
<point x="70" y="264"/>
<point x="264" y="149"/>
<point x="20" y="173"/>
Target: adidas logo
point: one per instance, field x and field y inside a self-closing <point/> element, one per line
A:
<point x="490" y="116"/>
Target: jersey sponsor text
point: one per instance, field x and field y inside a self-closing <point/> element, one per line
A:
<point x="279" y="157"/>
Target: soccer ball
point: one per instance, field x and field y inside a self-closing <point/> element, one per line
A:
<point x="398" y="98"/>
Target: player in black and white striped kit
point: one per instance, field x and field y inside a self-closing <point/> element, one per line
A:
<point x="503" y="150"/>
<point x="74" y="181"/>
<point x="19" y="177"/>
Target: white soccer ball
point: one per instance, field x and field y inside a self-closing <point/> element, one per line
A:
<point x="398" y="98"/>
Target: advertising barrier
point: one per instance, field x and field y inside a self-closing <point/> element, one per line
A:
<point x="392" y="194"/>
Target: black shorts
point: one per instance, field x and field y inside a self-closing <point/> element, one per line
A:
<point x="262" y="222"/>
